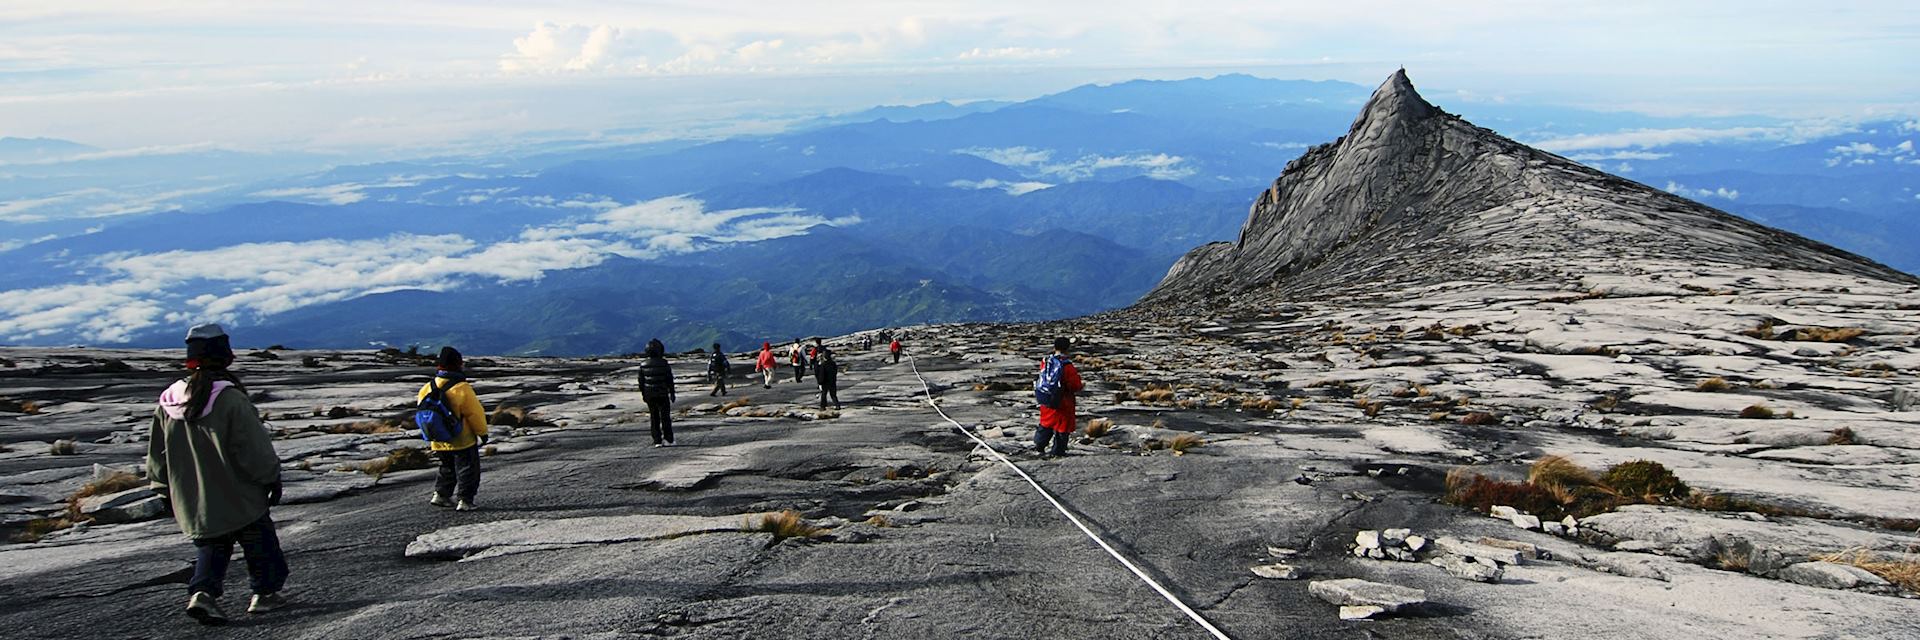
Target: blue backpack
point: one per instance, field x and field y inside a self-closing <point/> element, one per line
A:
<point x="1047" y="390"/>
<point x="436" y="420"/>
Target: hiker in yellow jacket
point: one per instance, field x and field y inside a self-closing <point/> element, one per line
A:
<point x="459" y="458"/>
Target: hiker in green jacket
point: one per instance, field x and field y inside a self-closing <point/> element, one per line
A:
<point x="213" y="461"/>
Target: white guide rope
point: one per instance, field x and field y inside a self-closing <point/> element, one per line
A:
<point x="1217" y="633"/>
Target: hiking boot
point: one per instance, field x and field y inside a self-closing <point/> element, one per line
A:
<point x="439" y="501"/>
<point x="657" y="445"/>
<point x="669" y="443"/>
<point x="464" y="506"/>
<point x="204" y="607"/>
<point x="264" y="602"/>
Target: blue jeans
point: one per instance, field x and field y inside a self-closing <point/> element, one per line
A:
<point x="266" y="565"/>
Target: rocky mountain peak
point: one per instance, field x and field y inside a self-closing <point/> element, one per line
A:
<point x="1415" y="195"/>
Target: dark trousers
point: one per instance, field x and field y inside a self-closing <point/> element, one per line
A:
<point x="829" y="388"/>
<point x="799" y="372"/>
<point x="1059" y="439"/>
<point x="660" y="415"/>
<point x="719" y="385"/>
<point x="896" y="357"/>
<point x="266" y="564"/>
<point x="459" y="473"/>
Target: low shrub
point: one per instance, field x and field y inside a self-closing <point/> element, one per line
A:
<point x="1712" y="385"/>
<point x="401" y="459"/>
<point x="28" y="407"/>
<point x="63" y="448"/>
<point x="1644" y="480"/>
<point x="1478" y="418"/>
<point x="1481" y="494"/>
<point x="516" y="416"/>
<point x="363" y="427"/>
<point x="741" y="402"/>
<point x="1757" y="412"/>
<point x="1826" y="334"/>
<point x="1098" y="427"/>
<point x="1842" y="435"/>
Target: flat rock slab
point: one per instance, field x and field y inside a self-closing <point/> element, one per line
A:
<point x="1830" y="575"/>
<point x="464" y="540"/>
<point x="1354" y="592"/>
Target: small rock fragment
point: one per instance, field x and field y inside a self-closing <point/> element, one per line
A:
<point x="1278" y="571"/>
<point x="1554" y="528"/>
<point x="1526" y="550"/>
<point x="1503" y="512"/>
<point x="1525" y="521"/>
<point x="1395" y="536"/>
<point x="1416" y="543"/>
<point x="1830" y="575"/>
<point x="1349" y="612"/>
<point x="1368" y="539"/>
<point x="1465" y="569"/>
<point x="1354" y="592"/>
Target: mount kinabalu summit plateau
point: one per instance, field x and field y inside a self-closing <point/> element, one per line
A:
<point x="1680" y="423"/>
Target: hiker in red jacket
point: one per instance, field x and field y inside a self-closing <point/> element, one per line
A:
<point x="895" y="349"/>
<point x="766" y="365"/>
<point x="1058" y="422"/>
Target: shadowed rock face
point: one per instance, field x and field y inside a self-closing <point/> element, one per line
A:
<point x="1413" y="194"/>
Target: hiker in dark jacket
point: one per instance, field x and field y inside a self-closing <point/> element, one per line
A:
<point x="459" y="458"/>
<point x="826" y="371"/>
<point x="717" y="370"/>
<point x="213" y="462"/>
<point x="656" y="387"/>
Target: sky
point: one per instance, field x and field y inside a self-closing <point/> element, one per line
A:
<point x="422" y="76"/>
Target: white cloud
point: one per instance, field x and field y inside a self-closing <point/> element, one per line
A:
<point x="1040" y="161"/>
<point x="1012" y="53"/>
<point x="1617" y="155"/>
<point x="1652" y="138"/>
<point x="1012" y="188"/>
<point x="342" y="193"/>
<point x="1682" y="190"/>
<point x="138" y="291"/>
<point x="1867" y="154"/>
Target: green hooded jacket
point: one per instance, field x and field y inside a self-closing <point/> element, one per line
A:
<point x="217" y="466"/>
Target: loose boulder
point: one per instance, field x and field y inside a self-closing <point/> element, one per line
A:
<point x="1365" y="599"/>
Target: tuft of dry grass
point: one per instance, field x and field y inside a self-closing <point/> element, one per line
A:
<point x="1439" y="416"/>
<point x="995" y="385"/>
<point x="741" y="402"/>
<point x="1558" y="470"/>
<point x="826" y="414"/>
<point x="1757" y="412"/>
<point x="1155" y="394"/>
<point x="1764" y="331"/>
<point x="38" y="528"/>
<point x="1369" y="406"/>
<point x="783" y="525"/>
<point x="1826" y="334"/>
<point x="880" y="521"/>
<point x="516" y="416"/>
<point x="1842" y="435"/>
<point x="1903" y="570"/>
<point x="63" y="448"/>
<point x="1296" y="403"/>
<point x="1098" y="427"/>
<point x="401" y="459"/>
<point x="1181" y="443"/>
<point x="114" y="483"/>
<point x="1731" y="559"/>
<point x="1714" y="384"/>
<point x="363" y="427"/>
<point x="28" y="407"/>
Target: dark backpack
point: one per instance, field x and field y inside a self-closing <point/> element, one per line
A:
<point x="437" y="421"/>
<point x="719" y="364"/>
<point x="1047" y="391"/>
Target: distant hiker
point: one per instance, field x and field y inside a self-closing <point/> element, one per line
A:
<point x="717" y="370"/>
<point x="798" y="359"/>
<point x="212" y="461"/>
<point x="827" y="372"/>
<point x="895" y="350"/>
<point x="1054" y="392"/>
<point x="656" y="387"/>
<point x="766" y="365"/>
<point x="459" y="451"/>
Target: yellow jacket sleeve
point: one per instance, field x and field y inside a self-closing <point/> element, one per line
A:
<point x="472" y="415"/>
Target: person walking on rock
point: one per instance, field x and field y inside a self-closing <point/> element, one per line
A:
<point x="798" y="359"/>
<point x="1054" y="392"/>
<point x="656" y="387"/>
<point x="766" y="365"/>
<point x="459" y="479"/>
<point x="213" y="462"/>
<point x="826" y="372"/>
<point x="717" y="370"/>
<point x="895" y="350"/>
